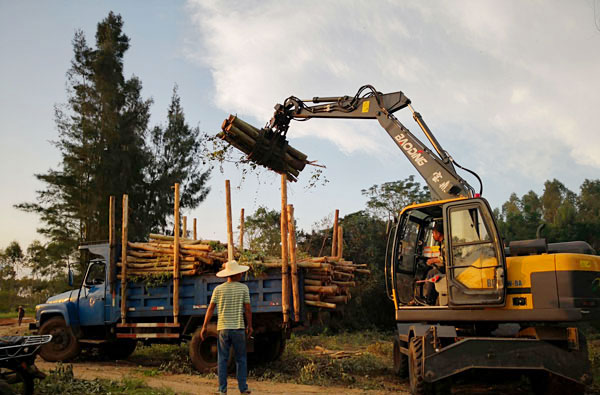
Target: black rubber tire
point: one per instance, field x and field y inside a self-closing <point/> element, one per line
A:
<point x="204" y="353"/>
<point x="273" y="347"/>
<point x="415" y="367"/>
<point x="120" y="349"/>
<point x="400" y="359"/>
<point x="64" y="345"/>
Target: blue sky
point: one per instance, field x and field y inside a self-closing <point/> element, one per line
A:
<point x="509" y="88"/>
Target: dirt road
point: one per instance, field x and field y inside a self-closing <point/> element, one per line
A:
<point x="187" y="384"/>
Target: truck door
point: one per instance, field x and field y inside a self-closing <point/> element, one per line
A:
<point x="475" y="257"/>
<point x="92" y="295"/>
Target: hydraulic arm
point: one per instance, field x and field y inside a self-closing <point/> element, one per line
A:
<point x="437" y="168"/>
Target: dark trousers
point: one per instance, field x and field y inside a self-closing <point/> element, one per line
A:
<point x="429" y="291"/>
<point x="235" y="338"/>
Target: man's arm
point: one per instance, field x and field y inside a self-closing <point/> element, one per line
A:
<point x="207" y="317"/>
<point x="248" y="314"/>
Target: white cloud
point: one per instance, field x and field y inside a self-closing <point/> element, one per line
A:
<point x="511" y="83"/>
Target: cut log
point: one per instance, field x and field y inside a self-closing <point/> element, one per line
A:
<point x="344" y="283"/>
<point x="329" y="289"/>
<point x="312" y="297"/>
<point x="336" y="299"/>
<point x="314" y="265"/>
<point x="320" y="304"/>
<point x="308" y="281"/>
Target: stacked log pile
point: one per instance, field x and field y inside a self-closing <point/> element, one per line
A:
<point x="327" y="279"/>
<point x="264" y="147"/>
<point x="156" y="256"/>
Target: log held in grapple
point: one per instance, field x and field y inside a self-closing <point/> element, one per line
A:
<point x="264" y="147"/>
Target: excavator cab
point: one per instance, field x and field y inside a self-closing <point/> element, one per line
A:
<point x="471" y="264"/>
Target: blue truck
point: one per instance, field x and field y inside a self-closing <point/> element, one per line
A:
<point x="90" y="316"/>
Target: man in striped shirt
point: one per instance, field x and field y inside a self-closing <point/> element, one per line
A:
<point x="232" y="301"/>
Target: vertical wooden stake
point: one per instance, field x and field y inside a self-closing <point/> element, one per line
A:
<point x="112" y="244"/>
<point x="285" y="282"/>
<point x="340" y="238"/>
<point x="195" y="230"/>
<point x="184" y="234"/>
<point x="242" y="230"/>
<point x="229" y="223"/>
<point x="124" y="258"/>
<point x="292" y="245"/>
<point x="334" y="237"/>
<point x="176" y="259"/>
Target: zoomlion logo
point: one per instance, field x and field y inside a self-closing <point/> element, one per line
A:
<point x="411" y="151"/>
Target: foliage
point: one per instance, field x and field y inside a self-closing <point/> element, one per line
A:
<point x="62" y="381"/>
<point x="567" y="216"/>
<point x="176" y="152"/>
<point x="364" y="243"/>
<point x="364" y="370"/>
<point x="386" y="200"/>
<point x="263" y="231"/>
<point x="106" y="150"/>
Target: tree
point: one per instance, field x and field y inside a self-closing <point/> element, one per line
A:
<point x="386" y="200"/>
<point x="103" y="133"/>
<point x="263" y="230"/>
<point x="101" y="140"/>
<point x="11" y="260"/>
<point x="177" y="158"/>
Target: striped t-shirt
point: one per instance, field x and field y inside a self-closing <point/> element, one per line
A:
<point x="230" y="298"/>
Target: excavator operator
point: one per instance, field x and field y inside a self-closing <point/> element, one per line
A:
<point x="437" y="266"/>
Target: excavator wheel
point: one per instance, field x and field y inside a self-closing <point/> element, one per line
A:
<point x="400" y="359"/>
<point x="418" y="385"/>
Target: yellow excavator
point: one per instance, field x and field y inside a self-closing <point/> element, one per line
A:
<point x="484" y="306"/>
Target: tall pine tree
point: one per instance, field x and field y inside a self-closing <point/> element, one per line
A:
<point x="177" y="158"/>
<point x="103" y="140"/>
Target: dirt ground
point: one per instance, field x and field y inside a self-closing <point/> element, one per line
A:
<point x="189" y="384"/>
<point x="10" y="327"/>
<point x="182" y="384"/>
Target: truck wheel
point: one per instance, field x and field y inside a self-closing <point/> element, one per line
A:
<point x="120" y="349"/>
<point x="400" y="360"/>
<point x="204" y="353"/>
<point x="64" y="344"/>
<point x="273" y="346"/>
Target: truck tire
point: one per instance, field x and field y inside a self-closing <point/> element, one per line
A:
<point x="204" y="353"/>
<point x="64" y="345"/>
<point x="272" y="346"/>
<point x="120" y="349"/>
<point x="400" y="359"/>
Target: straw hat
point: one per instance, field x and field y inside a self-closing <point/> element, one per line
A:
<point x="232" y="268"/>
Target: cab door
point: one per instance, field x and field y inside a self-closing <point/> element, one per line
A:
<point x="92" y="295"/>
<point x="475" y="261"/>
<point x="404" y="250"/>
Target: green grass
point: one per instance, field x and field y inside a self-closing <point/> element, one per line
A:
<point x="10" y="314"/>
<point x="61" y="381"/>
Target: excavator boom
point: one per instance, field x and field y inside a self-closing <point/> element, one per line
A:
<point x="436" y="168"/>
